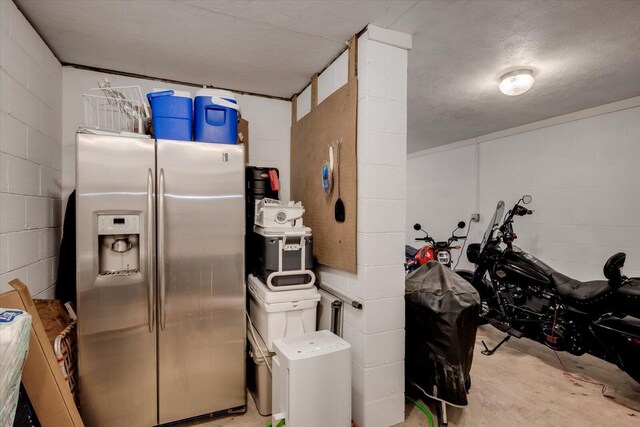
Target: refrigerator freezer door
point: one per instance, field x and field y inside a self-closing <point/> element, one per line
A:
<point x="200" y="278"/>
<point x="116" y="328"/>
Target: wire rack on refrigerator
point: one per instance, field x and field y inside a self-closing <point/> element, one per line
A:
<point x="115" y="109"/>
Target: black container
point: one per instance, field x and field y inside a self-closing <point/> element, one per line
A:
<point x="258" y="187"/>
<point x="267" y="259"/>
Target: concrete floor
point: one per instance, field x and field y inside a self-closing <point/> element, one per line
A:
<point x="520" y="385"/>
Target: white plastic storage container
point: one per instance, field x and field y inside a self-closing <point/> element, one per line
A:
<point x="280" y="314"/>
<point x="259" y="372"/>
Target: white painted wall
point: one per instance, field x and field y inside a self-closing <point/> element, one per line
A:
<point x="30" y="156"/>
<point x="583" y="171"/>
<point x="376" y="333"/>
<point x="269" y="122"/>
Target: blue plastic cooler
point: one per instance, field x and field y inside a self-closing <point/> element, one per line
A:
<point x="172" y="114"/>
<point x="216" y="115"/>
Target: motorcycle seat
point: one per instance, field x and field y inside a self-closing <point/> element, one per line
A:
<point x="631" y="289"/>
<point x="410" y="251"/>
<point x="580" y="292"/>
<point x="627" y="297"/>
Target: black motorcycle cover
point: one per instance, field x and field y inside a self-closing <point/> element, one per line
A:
<point x="442" y="312"/>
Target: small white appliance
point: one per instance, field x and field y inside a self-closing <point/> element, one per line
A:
<point x="312" y="381"/>
<point x="279" y="314"/>
<point x="278" y="214"/>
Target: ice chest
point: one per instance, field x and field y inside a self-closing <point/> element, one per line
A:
<point x="284" y="257"/>
<point x="172" y="114"/>
<point x="279" y="314"/>
<point x="215" y="116"/>
<point x="258" y="375"/>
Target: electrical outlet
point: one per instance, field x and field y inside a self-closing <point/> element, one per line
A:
<point x="475" y="217"/>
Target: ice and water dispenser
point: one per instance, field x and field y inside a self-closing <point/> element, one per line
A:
<point x="119" y="244"/>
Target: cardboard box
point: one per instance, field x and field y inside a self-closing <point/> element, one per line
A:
<point x="47" y="389"/>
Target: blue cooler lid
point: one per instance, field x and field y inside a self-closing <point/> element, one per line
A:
<point x="224" y="98"/>
<point x="180" y="93"/>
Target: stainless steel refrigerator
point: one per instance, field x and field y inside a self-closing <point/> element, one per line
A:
<point x="161" y="296"/>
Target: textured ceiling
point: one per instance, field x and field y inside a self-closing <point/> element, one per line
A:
<point x="584" y="52"/>
<point x="266" y="47"/>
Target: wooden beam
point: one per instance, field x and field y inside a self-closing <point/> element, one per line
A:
<point x="353" y="58"/>
<point x="314" y="91"/>
<point x="294" y="109"/>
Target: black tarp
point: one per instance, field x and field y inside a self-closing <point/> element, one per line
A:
<point x="442" y="312"/>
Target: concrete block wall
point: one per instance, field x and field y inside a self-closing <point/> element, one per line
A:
<point x="582" y="169"/>
<point x="376" y="333"/>
<point x="30" y="155"/>
<point x="269" y="122"/>
<point x="441" y="190"/>
<point x="269" y="135"/>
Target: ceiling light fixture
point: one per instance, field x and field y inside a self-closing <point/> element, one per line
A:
<point x="516" y="82"/>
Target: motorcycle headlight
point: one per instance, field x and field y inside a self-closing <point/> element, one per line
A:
<point x="444" y="257"/>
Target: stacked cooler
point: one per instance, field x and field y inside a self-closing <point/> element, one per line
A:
<point x="282" y="293"/>
<point x="283" y="246"/>
<point x="212" y="117"/>
<point x="262" y="182"/>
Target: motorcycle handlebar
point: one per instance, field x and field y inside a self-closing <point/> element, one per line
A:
<point x="521" y="210"/>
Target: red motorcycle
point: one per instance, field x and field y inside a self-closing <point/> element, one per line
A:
<point x="432" y="250"/>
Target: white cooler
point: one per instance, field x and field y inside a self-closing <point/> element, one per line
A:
<point x="280" y="314"/>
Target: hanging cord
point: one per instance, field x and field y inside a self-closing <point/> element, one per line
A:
<point x="253" y="334"/>
<point x="422" y="408"/>
<point x="463" y="245"/>
<point x="603" y="386"/>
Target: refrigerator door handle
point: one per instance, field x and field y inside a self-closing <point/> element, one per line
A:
<point x="150" y="250"/>
<point x="161" y="278"/>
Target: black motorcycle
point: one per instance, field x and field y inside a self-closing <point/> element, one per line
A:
<point x="523" y="296"/>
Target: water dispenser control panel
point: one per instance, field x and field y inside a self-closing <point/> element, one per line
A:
<point x="118" y="224"/>
<point x="118" y="244"/>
